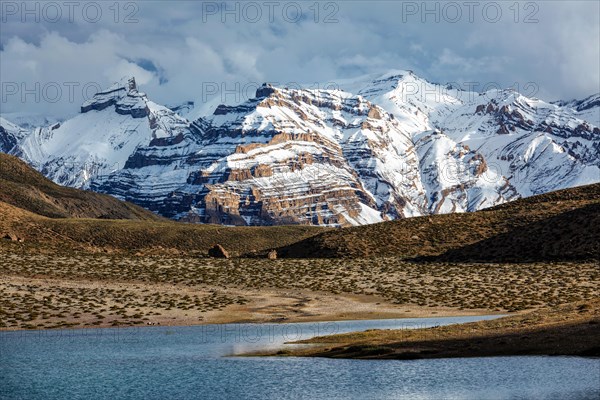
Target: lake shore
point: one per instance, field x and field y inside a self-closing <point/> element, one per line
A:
<point x="568" y="330"/>
<point x="259" y="306"/>
<point x="82" y="290"/>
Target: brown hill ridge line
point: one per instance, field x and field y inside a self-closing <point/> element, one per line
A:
<point x="140" y="237"/>
<point x="558" y="226"/>
<point x="52" y="217"/>
<point x="23" y="187"/>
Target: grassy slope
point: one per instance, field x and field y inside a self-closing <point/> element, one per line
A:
<point x="160" y="237"/>
<point x="571" y="235"/>
<point x="572" y="329"/>
<point x="43" y="213"/>
<point x="562" y="225"/>
<point x="23" y="187"/>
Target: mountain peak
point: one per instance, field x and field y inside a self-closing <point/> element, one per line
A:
<point x="396" y="74"/>
<point x="265" y="90"/>
<point x="124" y="97"/>
<point x="384" y="146"/>
<point x="131" y="85"/>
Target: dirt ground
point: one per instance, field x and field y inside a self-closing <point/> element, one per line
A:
<point x="122" y="303"/>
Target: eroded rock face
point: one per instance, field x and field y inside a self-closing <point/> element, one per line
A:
<point x="460" y="176"/>
<point x="252" y="165"/>
<point x="7" y="140"/>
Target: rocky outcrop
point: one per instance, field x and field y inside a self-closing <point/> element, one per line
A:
<point x="10" y="135"/>
<point x="7" y="140"/>
<point x="12" y="237"/>
<point x="104" y="99"/>
<point x="126" y="100"/>
<point x="217" y="251"/>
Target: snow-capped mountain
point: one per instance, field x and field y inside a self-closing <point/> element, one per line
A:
<point x="29" y="121"/>
<point x="532" y="146"/>
<point x="587" y="109"/>
<point x="286" y="156"/>
<point x="10" y="135"/>
<point x="101" y="139"/>
<point x="379" y="147"/>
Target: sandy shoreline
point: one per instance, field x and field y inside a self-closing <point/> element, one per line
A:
<point x="259" y="306"/>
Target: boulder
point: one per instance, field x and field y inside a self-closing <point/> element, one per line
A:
<point x="217" y="251"/>
<point x="272" y="255"/>
<point x="10" y="236"/>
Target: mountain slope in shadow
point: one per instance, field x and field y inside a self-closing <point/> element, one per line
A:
<point x="561" y="225"/>
<point x="572" y="235"/>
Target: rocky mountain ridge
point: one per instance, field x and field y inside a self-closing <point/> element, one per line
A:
<point x="378" y="148"/>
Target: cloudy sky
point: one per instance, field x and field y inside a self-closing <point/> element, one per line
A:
<point x="182" y="51"/>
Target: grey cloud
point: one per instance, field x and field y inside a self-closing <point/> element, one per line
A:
<point x="174" y="50"/>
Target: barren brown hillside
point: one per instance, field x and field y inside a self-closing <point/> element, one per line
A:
<point x="23" y="187"/>
<point x="562" y="225"/>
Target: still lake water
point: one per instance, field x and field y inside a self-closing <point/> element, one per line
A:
<point x="196" y="363"/>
